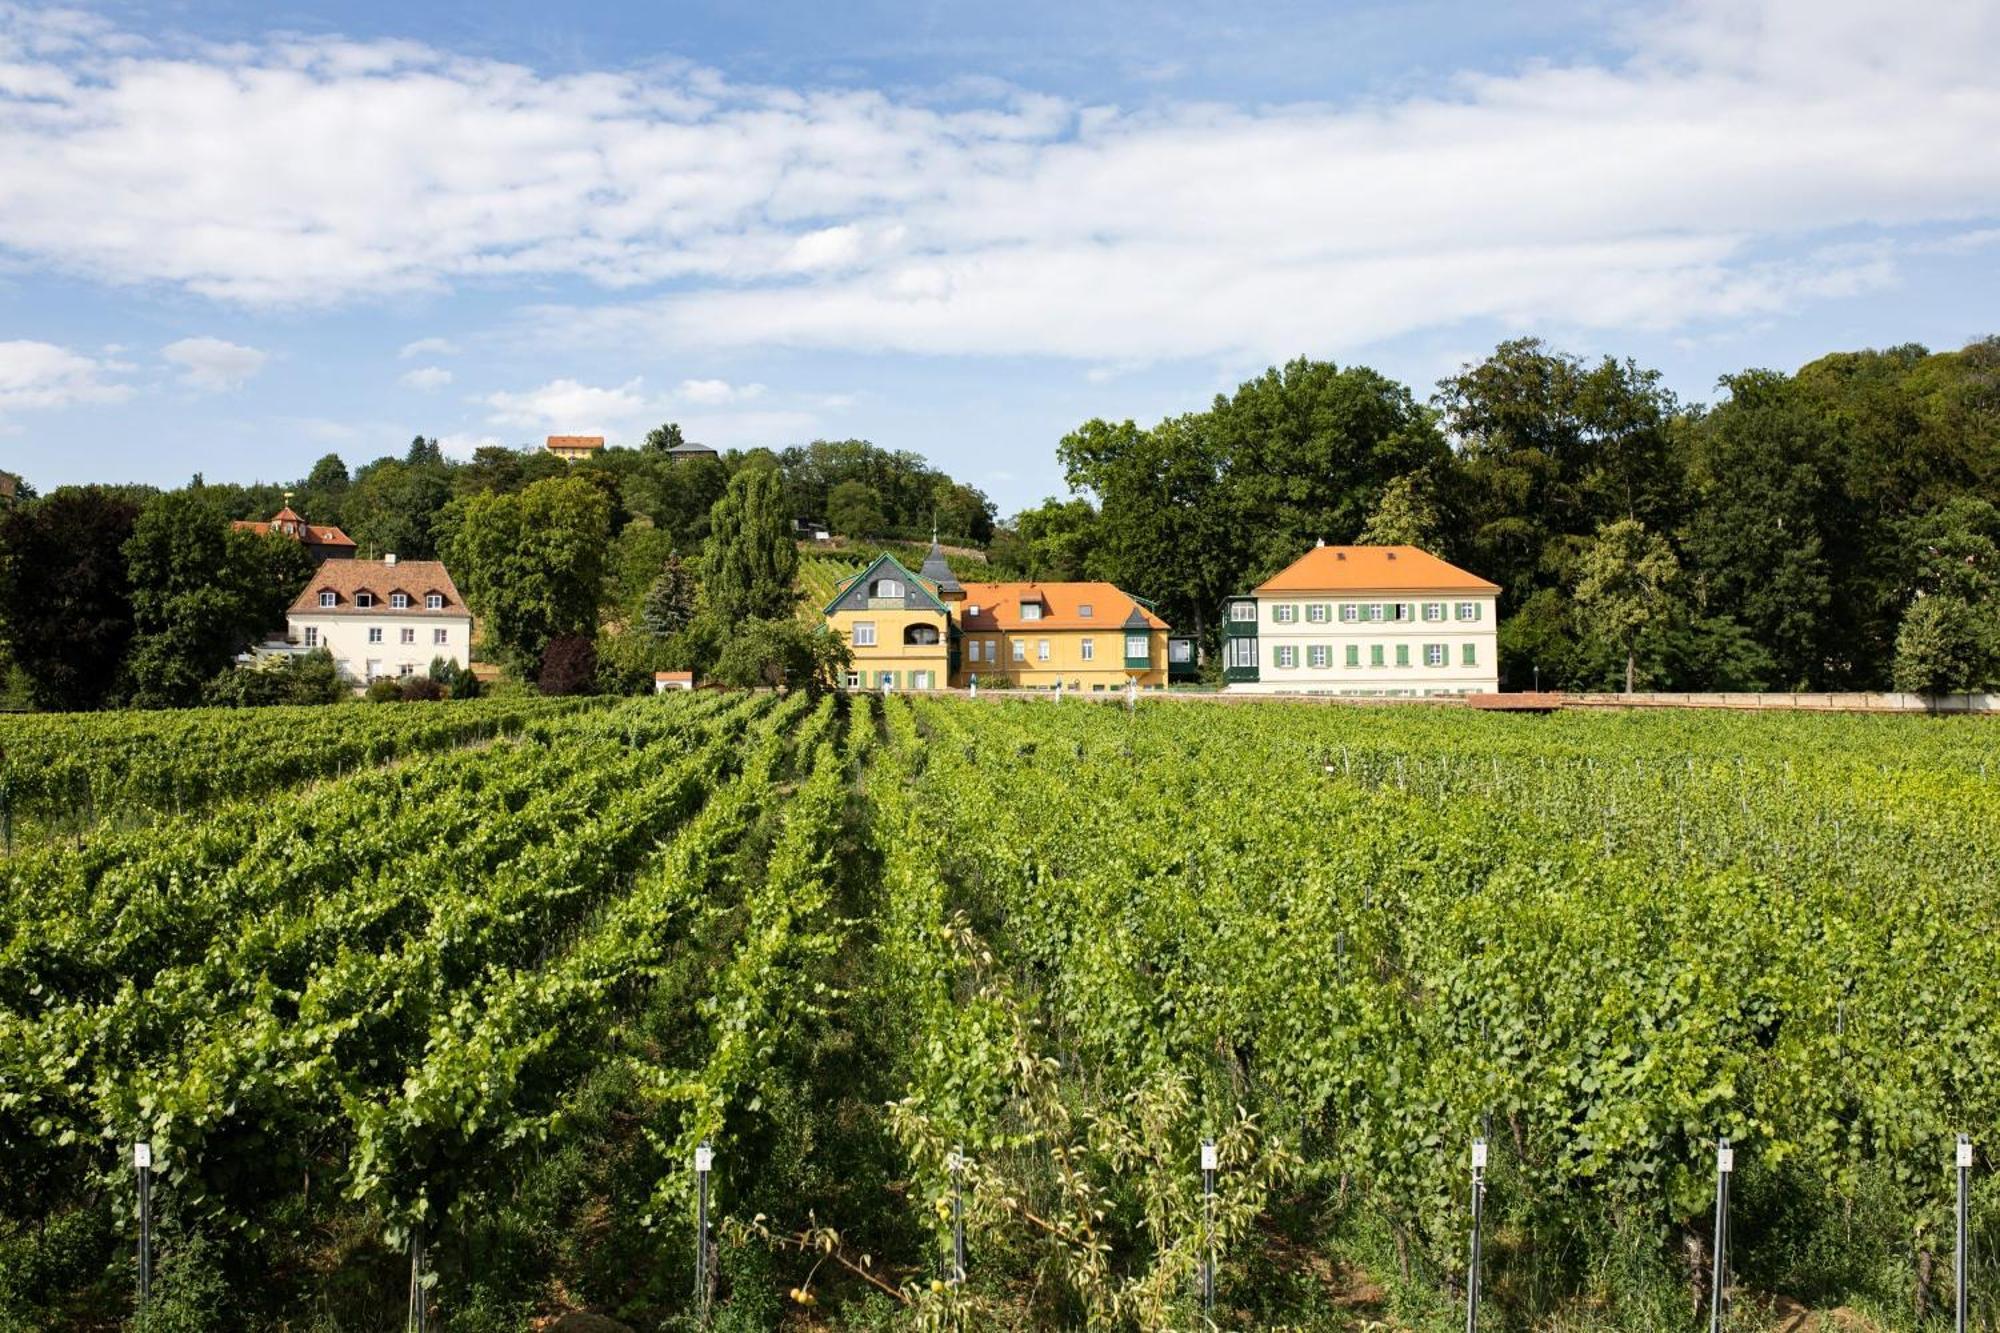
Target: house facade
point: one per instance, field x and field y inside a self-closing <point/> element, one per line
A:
<point x="322" y="541"/>
<point x="575" y="448"/>
<point x="382" y="617"/>
<point x="1390" y="621"/>
<point x="926" y="630"/>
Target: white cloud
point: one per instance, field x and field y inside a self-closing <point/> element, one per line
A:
<point x="567" y="407"/>
<point x="39" y="375"/>
<point x="426" y="378"/>
<point x="428" y="347"/>
<point x="213" y="363"/>
<point x="715" y="393"/>
<point x="461" y="444"/>
<point x="1686" y="181"/>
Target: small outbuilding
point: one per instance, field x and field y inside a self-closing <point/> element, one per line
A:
<point x="664" y="681"/>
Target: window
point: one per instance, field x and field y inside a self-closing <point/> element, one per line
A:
<point x="1317" y="613"/>
<point x="434" y="601"/>
<point x="887" y="588"/>
<point x="972" y="650"/>
<point x="1041" y="650"/>
<point x="399" y="601"/>
<point x="1434" y="654"/>
<point x="409" y="635"/>
<point x="1136" y="646"/>
<point x="1284" y="655"/>
<point x="993" y="650"/>
<point x="1084" y="610"/>
<point x="1375" y="611"/>
<point x="328" y="597"/>
<point x="1316" y="657"/>
<point x="1468" y="610"/>
<point x="1090" y="650"/>
<point x="1402" y="654"/>
<point x="1243" y="613"/>
<point x="1405" y="611"/>
<point x="972" y="611"/>
<point x="364" y="599"/>
<point x="1433" y="610"/>
<point x="1349" y="613"/>
<point x="1469" y="655"/>
<point x="1020" y="650"/>
<point x="407" y="669"/>
<point x="920" y="680"/>
<point x="1285" y="614"/>
<point x="1031" y="610"/>
<point x="440" y="637"/>
<point x="864" y="634"/>
<point x="1240" y="653"/>
<point x="375" y="634"/>
<point x="852" y="680"/>
<point x="312" y="636"/>
<point x="1375" y="654"/>
<point x="1354" y="654"/>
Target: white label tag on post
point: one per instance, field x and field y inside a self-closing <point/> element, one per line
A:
<point x="1965" y="1154"/>
<point x="1725" y="1159"/>
<point x="142" y="1155"/>
<point x="1479" y="1154"/>
<point x="704" y="1158"/>
<point x="953" y="1162"/>
<point x="1208" y="1157"/>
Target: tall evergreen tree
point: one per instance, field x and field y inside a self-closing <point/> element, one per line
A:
<point x="65" y="598"/>
<point x="751" y="557"/>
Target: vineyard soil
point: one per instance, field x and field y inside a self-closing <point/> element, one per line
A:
<point x="475" y="983"/>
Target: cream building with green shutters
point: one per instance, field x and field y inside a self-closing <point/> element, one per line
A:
<point x="1364" y="620"/>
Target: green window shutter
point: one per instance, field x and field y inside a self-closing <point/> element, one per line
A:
<point x="1354" y="654"/>
<point x="1471" y="655"/>
<point x="1402" y="654"/>
<point x="1374" y="654"/>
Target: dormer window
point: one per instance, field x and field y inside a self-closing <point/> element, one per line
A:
<point x="887" y="588"/>
<point x="434" y="601"/>
<point x="399" y="601"/>
<point x="1085" y="610"/>
<point x="972" y="610"/>
<point x="364" y="599"/>
<point x="1031" y="610"/>
<point x="328" y="597"/>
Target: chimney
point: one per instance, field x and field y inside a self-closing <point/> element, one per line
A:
<point x="1319" y="541"/>
<point x="389" y="559"/>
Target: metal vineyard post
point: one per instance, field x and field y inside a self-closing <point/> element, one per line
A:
<point x="1208" y="1227"/>
<point x="1725" y="1165"/>
<point x="142" y="1162"/>
<point x="1478" y="1211"/>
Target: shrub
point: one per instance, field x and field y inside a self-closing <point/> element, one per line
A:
<point x="569" y="665"/>
<point x="421" y="689"/>
<point x="385" y="690"/>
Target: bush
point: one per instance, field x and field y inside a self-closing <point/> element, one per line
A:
<point x="455" y="681"/>
<point x="385" y="690"/>
<point x="421" y="689"/>
<point x="784" y="652"/>
<point x="569" y="665"/>
<point x="308" y="679"/>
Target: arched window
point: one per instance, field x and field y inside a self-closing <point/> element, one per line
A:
<point x="922" y="634"/>
<point x="887" y="588"/>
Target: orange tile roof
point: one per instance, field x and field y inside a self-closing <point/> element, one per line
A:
<point x="344" y="578"/>
<point x="1000" y="606"/>
<point x="1373" y="569"/>
<point x="315" y="534"/>
<point x="576" y="442"/>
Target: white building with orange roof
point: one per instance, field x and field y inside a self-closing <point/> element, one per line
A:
<point x="382" y="617"/>
<point x="1364" y="620"/>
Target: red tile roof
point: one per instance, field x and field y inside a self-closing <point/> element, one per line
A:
<point x="345" y="578"/>
<point x="576" y="442"/>
<point x="1000" y="607"/>
<point x="290" y="524"/>
<point x="1372" y="569"/>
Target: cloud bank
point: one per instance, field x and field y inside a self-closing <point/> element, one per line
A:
<point x="1720" y="167"/>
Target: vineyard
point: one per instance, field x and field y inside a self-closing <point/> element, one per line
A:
<point x="430" y="1012"/>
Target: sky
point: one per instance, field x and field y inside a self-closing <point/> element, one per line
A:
<point x="236" y="236"/>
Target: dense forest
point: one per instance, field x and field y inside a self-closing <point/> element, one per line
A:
<point x="1835" y="528"/>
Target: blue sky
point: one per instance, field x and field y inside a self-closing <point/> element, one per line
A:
<point x="236" y="236"/>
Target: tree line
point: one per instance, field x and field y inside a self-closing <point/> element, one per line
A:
<point x="1832" y="529"/>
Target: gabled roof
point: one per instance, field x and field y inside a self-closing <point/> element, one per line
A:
<point x="690" y="447"/>
<point x="1372" y="569"/>
<point x="576" y="442"/>
<point x="1000" y="607"/>
<point x="291" y="525"/>
<point x="344" y="578"/>
<point x="916" y="581"/>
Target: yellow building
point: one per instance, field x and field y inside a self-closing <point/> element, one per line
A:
<point x="1084" y="636"/>
<point x="575" y="448"/>
<point x="897" y="624"/>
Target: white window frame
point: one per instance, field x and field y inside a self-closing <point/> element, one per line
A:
<point x="1089" y="650"/>
<point x="1041" y="650"/>
<point x="1350" y="612"/>
<point x="328" y="597"/>
<point x="1020" y="650"/>
<point x="1285" y="657"/>
<point x="864" y="634"/>
<point x="312" y="636"/>
<point x="1375" y="615"/>
<point x="1318" y="612"/>
<point x="399" y="601"/>
<point x="1433" y="611"/>
<point x="409" y="634"/>
<point x="374" y="634"/>
<point x="972" y="650"/>
<point x="1405" y="612"/>
<point x="434" y="601"/>
<point x="1284" y="613"/>
<point x="1468" y="611"/>
<point x="1243" y="613"/>
<point x="407" y="669"/>
<point x="365" y="599"/>
<point x="887" y="588"/>
<point x="1241" y="653"/>
<point x="1144" y="645"/>
<point x="852" y="680"/>
<point x="440" y="637"/>
<point x="1437" y="655"/>
<point x="1318" y="656"/>
<point x="1031" y="610"/>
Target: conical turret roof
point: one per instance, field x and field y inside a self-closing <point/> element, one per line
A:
<point x="937" y="571"/>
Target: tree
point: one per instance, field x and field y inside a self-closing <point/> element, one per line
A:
<point x="855" y="510"/>
<point x="1055" y="542"/>
<point x="661" y="439"/>
<point x="670" y="602"/>
<point x="393" y="508"/>
<point x="1405" y="515"/>
<point x="424" y="453"/>
<point x="311" y="678"/>
<point x="1949" y="640"/>
<point x="1947" y="646"/>
<point x="785" y="652"/>
<point x="531" y="565"/>
<point x="201" y="591"/>
<point x="1622" y="585"/>
<point x="65" y="597"/>
<point x="569" y="665"/>
<point x="751" y="558"/>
